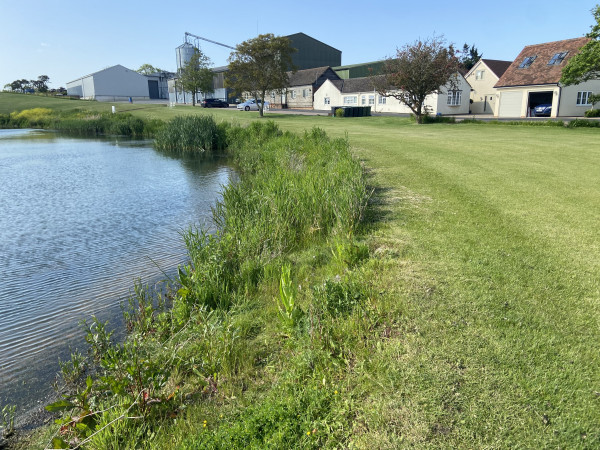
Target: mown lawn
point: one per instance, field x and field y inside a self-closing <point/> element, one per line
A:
<point x="485" y="251"/>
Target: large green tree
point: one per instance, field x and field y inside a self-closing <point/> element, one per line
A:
<point x="418" y="70"/>
<point x="585" y="65"/>
<point x="260" y="65"/>
<point x="196" y="76"/>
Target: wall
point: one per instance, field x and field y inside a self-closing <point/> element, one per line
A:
<point x="118" y="82"/>
<point x="568" y="99"/>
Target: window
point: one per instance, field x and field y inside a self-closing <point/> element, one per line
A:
<point x="293" y="94"/>
<point x="305" y="92"/>
<point x="479" y="75"/>
<point x="273" y="95"/>
<point x="528" y="61"/>
<point x="382" y="100"/>
<point x="557" y="59"/>
<point x="327" y="100"/>
<point x="583" y="98"/>
<point x="454" y="98"/>
<point x="363" y="100"/>
<point x="371" y="99"/>
<point x="351" y="100"/>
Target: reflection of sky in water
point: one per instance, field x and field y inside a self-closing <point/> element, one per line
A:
<point x="80" y="220"/>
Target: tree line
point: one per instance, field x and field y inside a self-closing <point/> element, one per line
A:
<point x="30" y="86"/>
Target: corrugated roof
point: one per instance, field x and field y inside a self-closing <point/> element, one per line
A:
<point x="539" y="72"/>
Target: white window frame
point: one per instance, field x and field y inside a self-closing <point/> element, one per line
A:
<point x="479" y="74"/>
<point x="382" y="100"/>
<point x="454" y="97"/>
<point x="293" y="94"/>
<point x="350" y="100"/>
<point x="372" y="99"/>
<point x="304" y="93"/>
<point x="583" y="98"/>
<point x="327" y="101"/>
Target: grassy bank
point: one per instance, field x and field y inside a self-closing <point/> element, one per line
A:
<point x="472" y="322"/>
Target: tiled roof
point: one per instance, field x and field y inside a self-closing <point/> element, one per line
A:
<point x="497" y="66"/>
<point x="308" y="76"/>
<point x="539" y="72"/>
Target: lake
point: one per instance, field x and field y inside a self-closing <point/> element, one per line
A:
<point x="80" y="221"/>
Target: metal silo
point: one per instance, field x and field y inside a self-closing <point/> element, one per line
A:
<point x="184" y="53"/>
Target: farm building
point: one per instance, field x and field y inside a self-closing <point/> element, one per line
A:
<point x="119" y="83"/>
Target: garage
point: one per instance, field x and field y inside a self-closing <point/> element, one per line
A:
<point x="537" y="99"/>
<point x="510" y="104"/>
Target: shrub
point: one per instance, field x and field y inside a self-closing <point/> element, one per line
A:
<point x="592" y="113"/>
<point x="579" y="123"/>
<point x="438" y="119"/>
<point x="36" y="117"/>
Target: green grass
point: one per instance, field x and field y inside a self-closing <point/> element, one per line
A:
<point x="482" y="321"/>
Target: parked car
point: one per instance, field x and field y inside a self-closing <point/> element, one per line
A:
<point x="214" y="103"/>
<point x="542" y="110"/>
<point x="250" y="105"/>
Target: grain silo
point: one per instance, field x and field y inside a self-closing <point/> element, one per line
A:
<point x="184" y="53"/>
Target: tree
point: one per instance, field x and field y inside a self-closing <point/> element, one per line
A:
<point x="149" y="69"/>
<point x="260" y="65"/>
<point x="469" y="56"/>
<point x="585" y="65"/>
<point x="41" y="84"/>
<point x="418" y="70"/>
<point x="196" y="76"/>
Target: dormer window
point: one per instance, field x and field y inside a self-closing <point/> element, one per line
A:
<point x="528" y="61"/>
<point x="557" y="59"/>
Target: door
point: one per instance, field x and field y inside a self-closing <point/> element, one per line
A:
<point x="510" y="104"/>
<point x="153" y="89"/>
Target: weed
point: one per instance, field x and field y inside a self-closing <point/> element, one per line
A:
<point x="289" y="312"/>
<point x="7" y="420"/>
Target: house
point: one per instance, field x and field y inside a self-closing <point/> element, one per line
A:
<point x="361" y="92"/>
<point x="301" y="88"/>
<point x="119" y="83"/>
<point x="482" y="77"/>
<point x="533" y="79"/>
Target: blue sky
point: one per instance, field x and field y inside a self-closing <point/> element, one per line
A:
<point x="66" y="39"/>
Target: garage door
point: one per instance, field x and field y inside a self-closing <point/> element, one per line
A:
<point x="510" y="104"/>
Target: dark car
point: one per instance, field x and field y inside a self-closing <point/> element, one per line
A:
<point x="214" y="103"/>
<point x="542" y="110"/>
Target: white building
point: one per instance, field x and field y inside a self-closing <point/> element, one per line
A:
<point x="119" y="83"/>
<point x="533" y="79"/>
<point x="361" y="92"/>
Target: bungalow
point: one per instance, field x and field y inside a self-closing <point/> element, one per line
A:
<point x="482" y="77"/>
<point x="301" y="88"/>
<point x="361" y="92"/>
<point x="533" y="79"/>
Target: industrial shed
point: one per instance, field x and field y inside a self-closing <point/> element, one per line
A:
<point x="313" y="53"/>
<point x="119" y="83"/>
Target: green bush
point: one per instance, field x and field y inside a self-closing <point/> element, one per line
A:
<point x="592" y="113"/>
<point x="582" y="123"/>
<point x="438" y="119"/>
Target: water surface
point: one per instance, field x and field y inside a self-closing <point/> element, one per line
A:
<point x="80" y="221"/>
